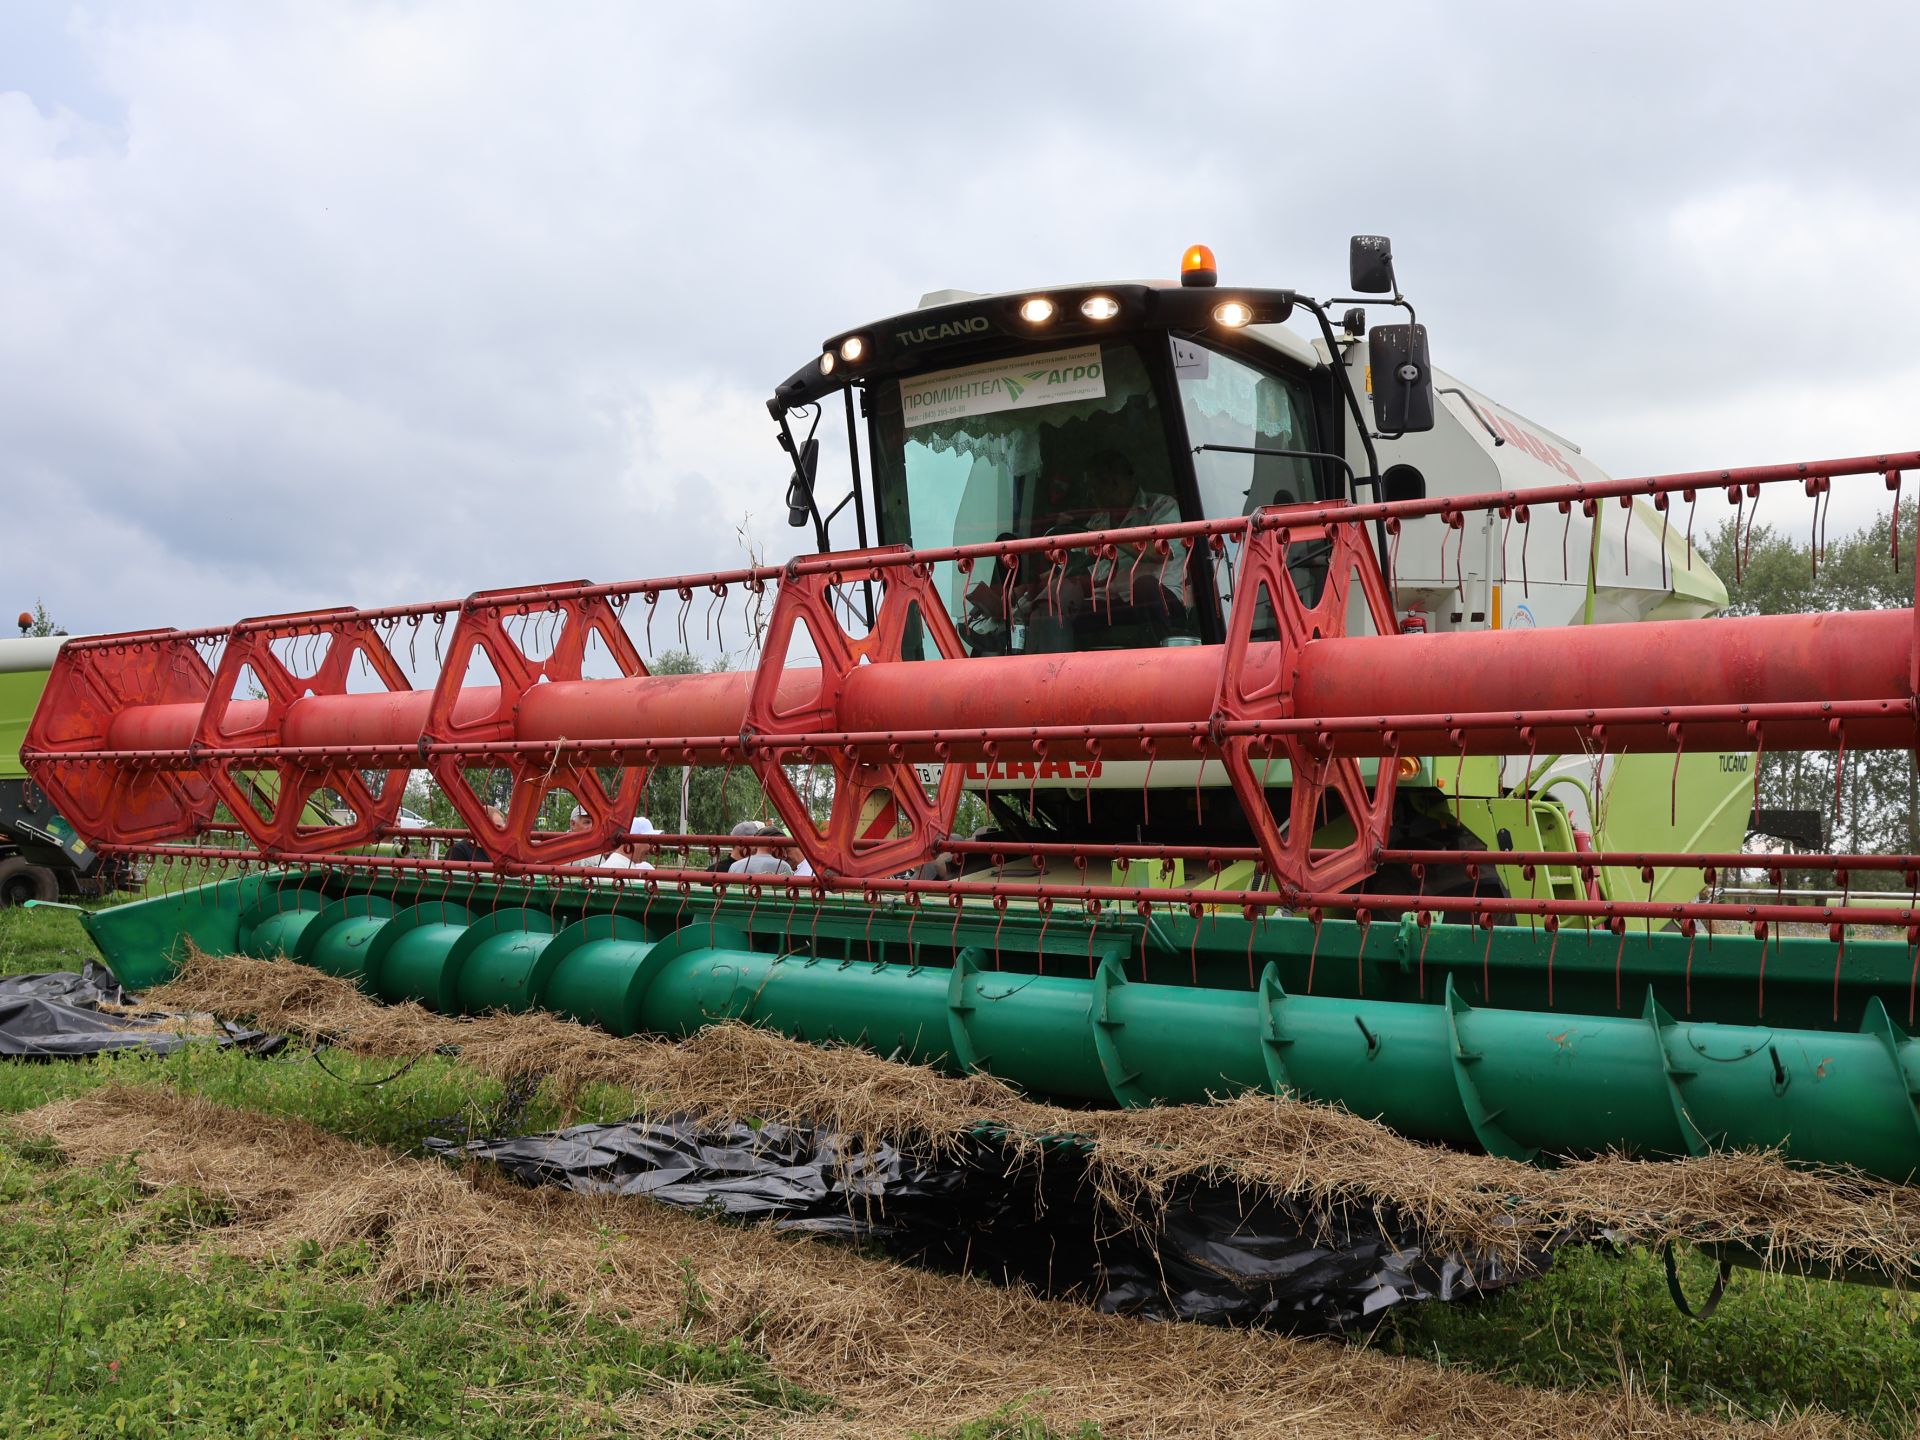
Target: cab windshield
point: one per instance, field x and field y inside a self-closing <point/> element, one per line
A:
<point x="1050" y="443"/>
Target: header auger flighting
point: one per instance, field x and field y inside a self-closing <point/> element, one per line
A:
<point x="1296" y="754"/>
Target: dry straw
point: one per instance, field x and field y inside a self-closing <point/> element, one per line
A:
<point x="898" y="1350"/>
<point x="1792" y="1217"/>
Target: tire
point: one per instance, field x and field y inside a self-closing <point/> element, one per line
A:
<point x="21" y="882"/>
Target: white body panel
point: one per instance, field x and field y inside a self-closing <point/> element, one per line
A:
<point x="18" y="657"/>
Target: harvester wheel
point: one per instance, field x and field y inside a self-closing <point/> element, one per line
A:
<point x="21" y="882"/>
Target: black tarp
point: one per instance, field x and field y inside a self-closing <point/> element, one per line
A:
<point x="57" y="1016"/>
<point x="1208" y="1252"/>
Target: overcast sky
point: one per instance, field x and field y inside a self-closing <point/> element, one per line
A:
<point x="326" y="303"/>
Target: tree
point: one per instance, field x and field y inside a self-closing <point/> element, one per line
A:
<point x="1870" y="798"/>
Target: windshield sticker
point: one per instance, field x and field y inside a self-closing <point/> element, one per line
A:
<point x="1023" y="383"/>
<point x="1189" y="361"/>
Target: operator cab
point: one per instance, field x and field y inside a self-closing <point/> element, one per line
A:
<point x="1089" y="407"/>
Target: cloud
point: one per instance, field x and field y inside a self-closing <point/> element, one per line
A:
<point x="307" y="305"/>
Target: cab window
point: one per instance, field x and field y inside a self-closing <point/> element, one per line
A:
<point x="1049" y="442"/>
<point x="1228" y="402"/>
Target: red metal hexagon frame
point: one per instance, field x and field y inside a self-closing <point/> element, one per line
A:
<point x="1262" y="689"/>
<point x="846" y="848"/>
<point x="346" y="634"/>
<point x="123" y="802"/>
<point x="483" y="625"/>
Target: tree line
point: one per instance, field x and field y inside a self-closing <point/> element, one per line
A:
<point x="1868" y="801"/>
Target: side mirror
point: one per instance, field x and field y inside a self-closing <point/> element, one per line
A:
<point x="1400" y="378"/>
<point x="800" y="488"/>
<point x="1370" y="264"/>
<point x="1403" y="482"/>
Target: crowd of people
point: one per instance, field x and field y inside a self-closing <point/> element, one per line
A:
<point x="741" y="858"/>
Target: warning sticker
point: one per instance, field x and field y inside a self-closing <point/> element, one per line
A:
<point x="1022" y="383"/>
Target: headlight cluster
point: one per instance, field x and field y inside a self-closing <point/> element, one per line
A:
<point x="1197" y="268"/>
<point x="852" y="350"/>
<point x="1039" y="310"/>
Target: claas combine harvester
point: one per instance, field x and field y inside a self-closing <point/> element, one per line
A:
<point x="1207" y="704"/>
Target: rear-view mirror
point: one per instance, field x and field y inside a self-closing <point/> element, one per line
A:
<point x="1370" y="264"/>
<point x="1400" y="378"/>
<point x="800" y="488"/>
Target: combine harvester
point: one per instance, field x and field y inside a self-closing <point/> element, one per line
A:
<point x="1280" y="677"/>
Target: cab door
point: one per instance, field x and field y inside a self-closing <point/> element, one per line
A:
<point x="1240" y="417"/>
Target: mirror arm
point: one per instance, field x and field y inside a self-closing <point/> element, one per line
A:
<point x="859" y="505"/>
<point x="1346" y="389"/>
<point x="1338" y="364"/>
<point x="1397" y="299"/>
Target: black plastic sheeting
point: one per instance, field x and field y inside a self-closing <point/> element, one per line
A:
<point x="1211" y="1252"/>
<point x="57" y="1016"/>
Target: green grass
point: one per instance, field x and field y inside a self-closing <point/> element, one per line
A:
<point x="339" y="1093"/>
<point x="1776" y="1341"/>
<point x="135" y="1347"/>
<point x="36" y="938"/>
<point x="97" y="1338"/>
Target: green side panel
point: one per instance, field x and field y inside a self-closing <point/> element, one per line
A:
<point x="1703" y="806"/>
<point x="19" y="693"/>
<point x="146" y="940"/>
<point x="1650" y="804"/>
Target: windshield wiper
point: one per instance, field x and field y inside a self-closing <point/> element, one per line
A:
<point x="1353" y="480"/>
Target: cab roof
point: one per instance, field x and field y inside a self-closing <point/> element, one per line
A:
<point x="949" y="322"/>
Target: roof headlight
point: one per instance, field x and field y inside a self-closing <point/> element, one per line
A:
<point x="852" y="348"/>
<point x="1233" y="313"/>
<point x="1099" y="307"/>
<point x="1037" y="311"/>
<point x="826" y="363"/>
